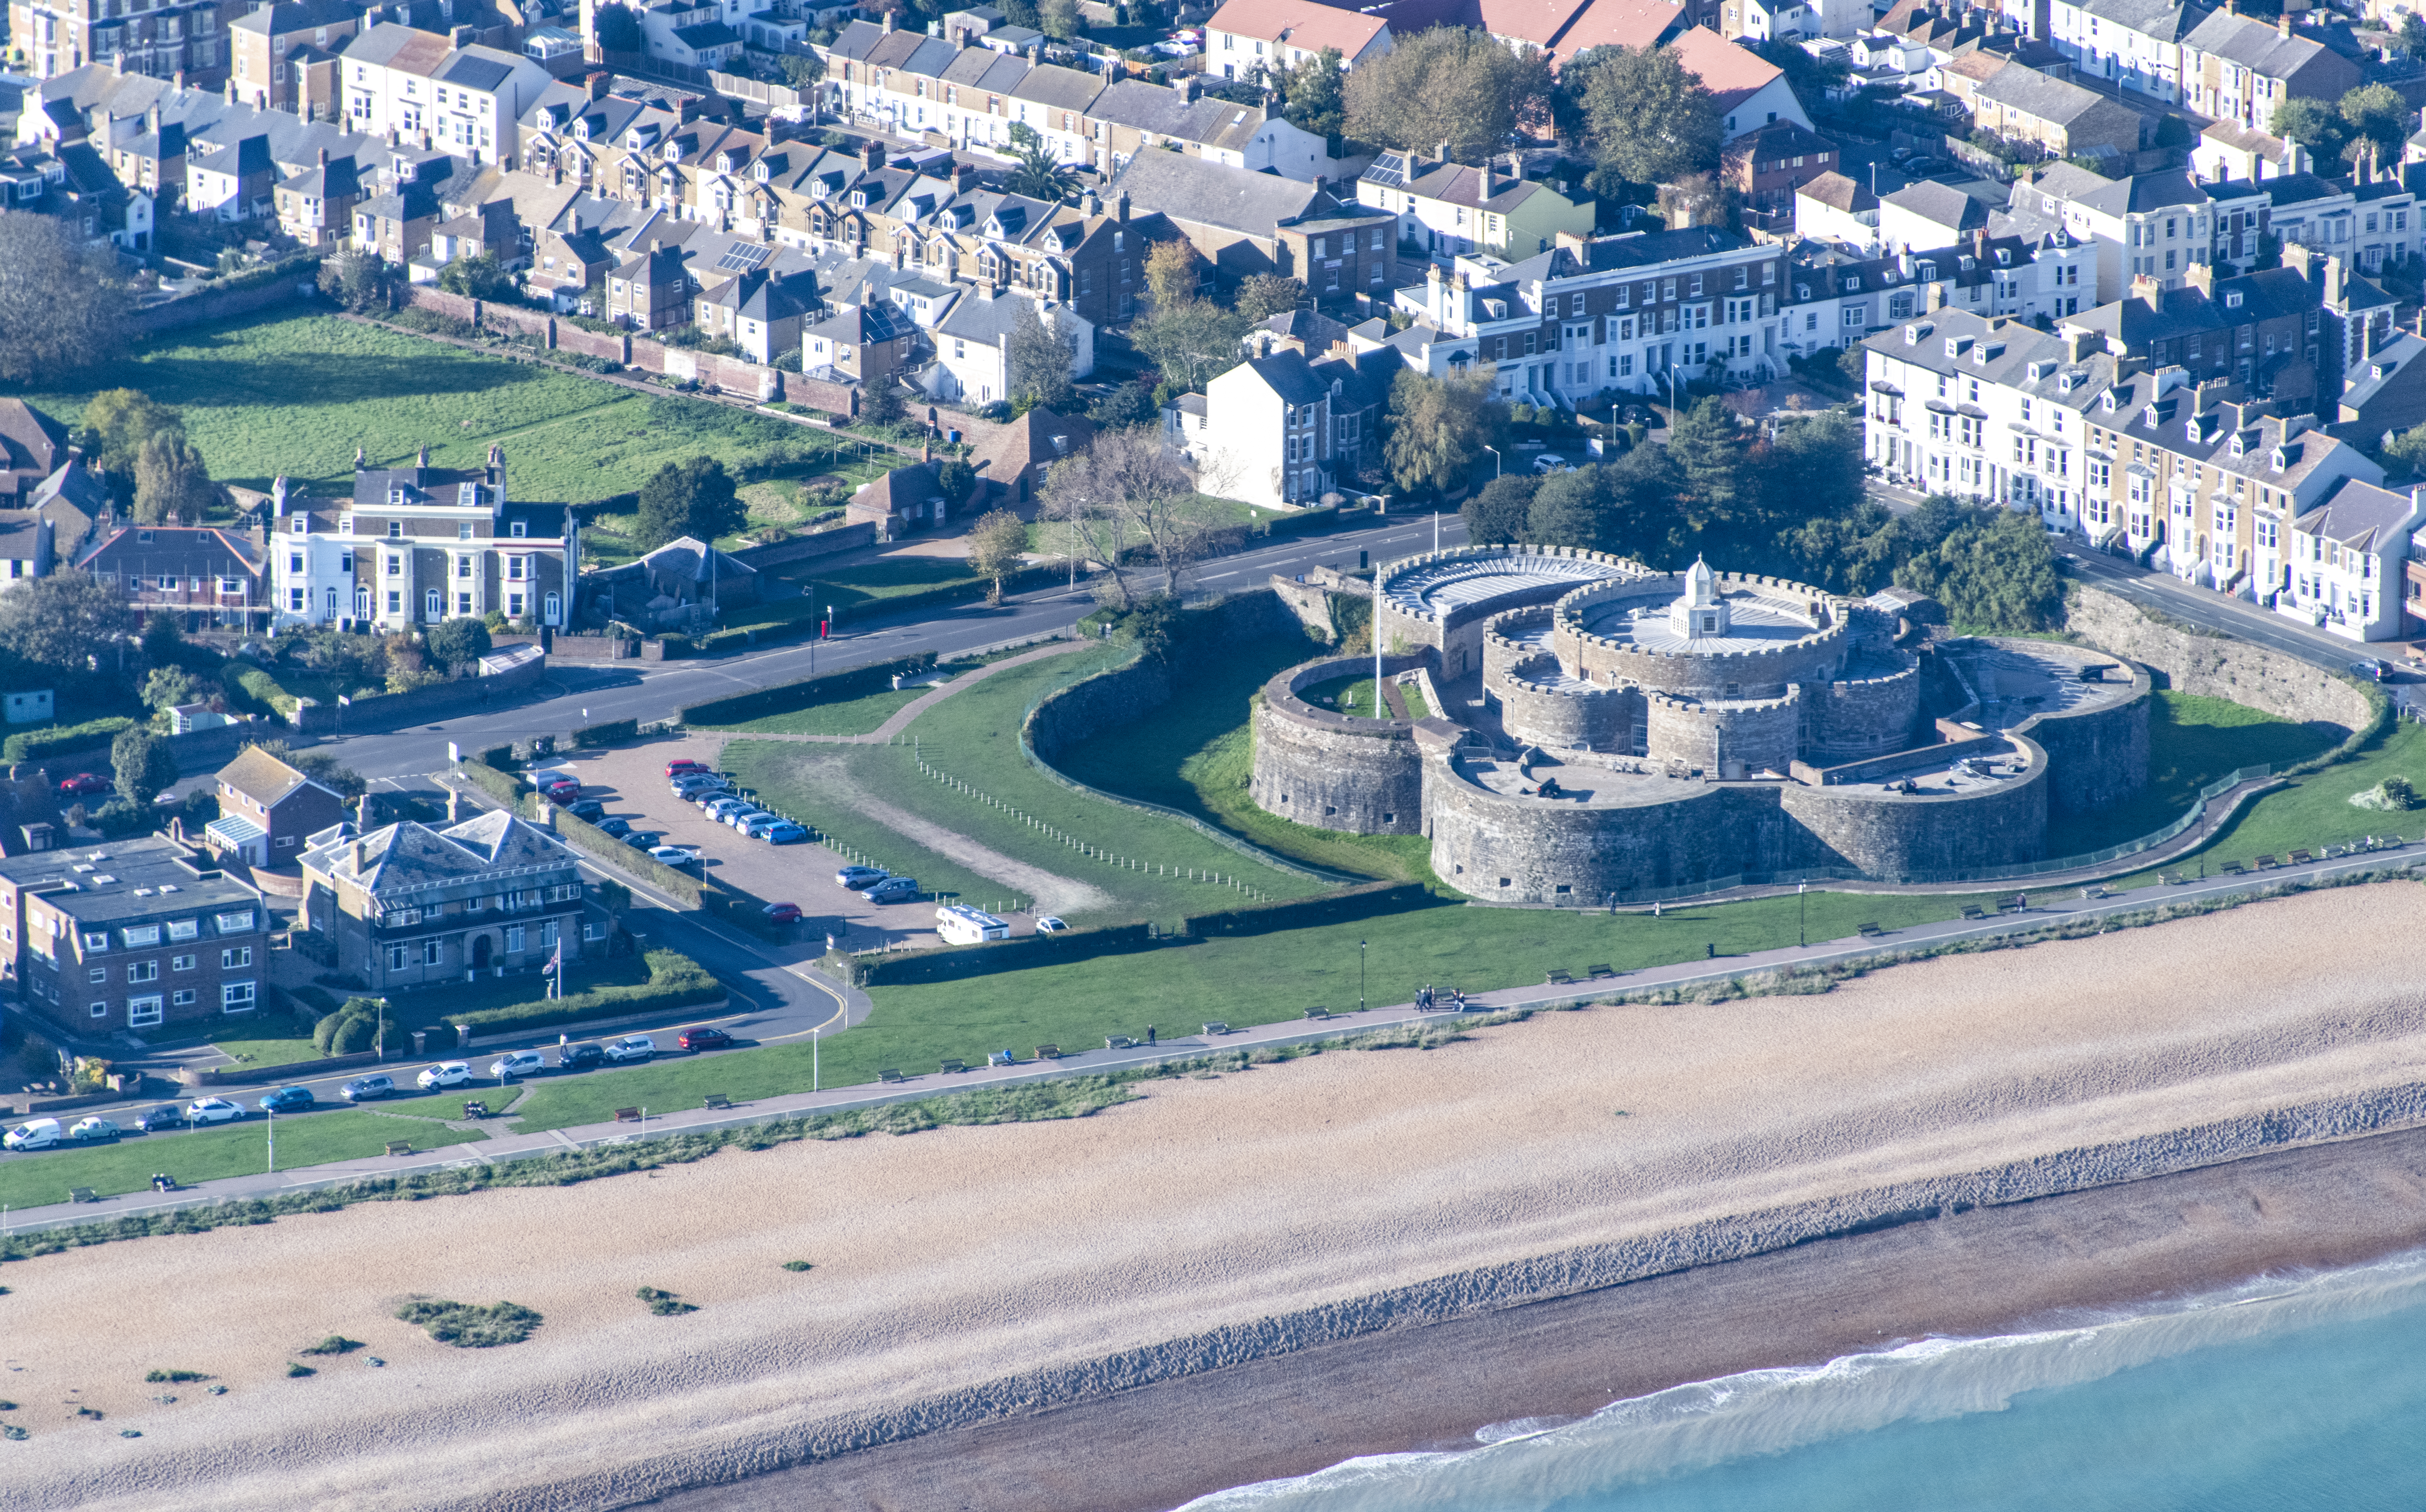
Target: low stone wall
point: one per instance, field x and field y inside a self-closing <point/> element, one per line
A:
<point x="440" y="701"/>
<point x="2212" y="667"/>
<point x="593" y="647"/>
<point x="227" y="304"/>
<point x="571" y="338"/>
<point x="801" y="548"/>
<point x="1897" y="836"/>
<point x="1084" y="709"/>
<point x="1317" y="768"/>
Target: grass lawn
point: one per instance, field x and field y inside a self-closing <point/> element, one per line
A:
<point x="844" y="716"/>
<point x="431" y="1010"/>
<point x="975" y="736"/>
<point x="1257" y="979"/>
<point x="867" y="583"/>
<point x="1350" y="695"/>
<point x="297" y="395"/>
<point x="312" y="1139"/>
<point x="2316" y="809"/>
<point x="2191" y="742"/>
<point x="281" y="1050"/>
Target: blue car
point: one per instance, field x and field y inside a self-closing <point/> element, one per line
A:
<point x="285" y="1100"/>
<point x="787" y="834"/>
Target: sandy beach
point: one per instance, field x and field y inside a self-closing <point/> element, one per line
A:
<point x="1291" y="1228"/>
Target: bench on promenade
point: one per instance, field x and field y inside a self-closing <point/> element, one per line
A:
<point x="1601" y="973"/>
<point x="955" y="1066"/>
<point x="627" y="1114"/>
<point x="718" y="1103"/>
<point x="1869" y="932"/>
<point x="890" y="1076"/>
<point x="1049" y="1052"/>
<point x="2093" y="891"/>
<point x="2268" y="864"/>
<point x="1119" y="1042"/>
<point x="1973" y="911"/>
<point x="2301" y="858"/>
<point x="2171" y="879"/>
<point x="1317" y="1012"/>
<point x="81" y="1193"/>
<point x="2235" y="869"/>
<point x="1216" y="1028"/>
<point x="2015" y="904"/>
<point x="399" y="1147"/>
<point x="1561" y="978"/>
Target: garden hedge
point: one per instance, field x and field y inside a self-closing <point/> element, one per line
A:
<point x="944" y="963"/>
<point x="614" y="732"/>
<point x="1301" y="913"/>
<point x="584" y="835"/>
<point x="676" y="981"/>
<point x="504" y="787"/>
<point x="34" y="745"/>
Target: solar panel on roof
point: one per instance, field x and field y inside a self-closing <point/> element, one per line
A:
<point x="741" y="258"/>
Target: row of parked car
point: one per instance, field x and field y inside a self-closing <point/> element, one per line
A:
<point x="719" y="799"/>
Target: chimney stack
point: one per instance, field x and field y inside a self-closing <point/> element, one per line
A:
<point x="1121" y="207"/>
<point x="1483" y="190"/>
<point x="598" y="83"/>
<point x="454" y="806"/>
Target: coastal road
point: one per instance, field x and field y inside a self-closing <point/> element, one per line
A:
<point x="579" y="695"/>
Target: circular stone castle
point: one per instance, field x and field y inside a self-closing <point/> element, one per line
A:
<point x="1592" y="728"/>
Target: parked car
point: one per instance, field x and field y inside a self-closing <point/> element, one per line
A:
<point x="167" y="1115"/>
<point x="743" y="817"/>
<point x="707" y="1039"/>
<point x="590" y="809"/>
<point x="630" y="1048"/>
<point x="93" y="1129"/>
<point x="554" y="783"/>
<point x="445" y="1073"/>
<point x="680" y="765"/>
<point x="39" y="1134"/>
<point x="785" y="833"/>
<point x="690" y="782"/>
<point x="581" y="1056"/>
<point x="641" y="839"/>
<point x="782" y="912"/>
<point x="518" y="1063"/>
<point x="286" y="1099"/>
<point x="204" y="1110"/>
<point x="369" y="1088"/>
<point x="1050" y="926"/>
<point x="856" y="878"/>
<point x="674" y="855"/>
<point x="893" y="890"/>
<point x="617" y="828"/>
<point x="83" y="783"/>
<point x="718" y="809"/>
<point x="756" y="823"/>
<point x="1549" y="463"/>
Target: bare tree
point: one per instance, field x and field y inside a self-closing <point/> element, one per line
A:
<point x="62" y="303"/>
<point x="1128" y="490"/>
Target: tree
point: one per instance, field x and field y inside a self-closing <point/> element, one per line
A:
<point x="1127" y="490"/>
<point x="358" y="280"/>
<point x="1646" y="116"/>
<point x="1568" y="509"/>
<point x="1170" y="276"/>
<point x="1708" y="446"/>
<point x="167" y="687"/>
<point x="2413" y="34"/>
<point x="803" y="71"/>
<point x="2314" y="124"/>
<point x="1266" y="294"/>
<point x="955" y="480"/>
<point x="2404" y="456"/>
<point x="63" y="305"/>
<point x="879" y="402"/>
<point x="1041" y="356"/>
<point x="1698" y="200"/>
<point x="1193" y="341"/>
<point x="170" y="482"/>
<point x="143" y="765"/>
<point x="1131" y="404"/>
<point x="695" y="498"/>
<point x="996" y="543"/>
<point x="162" y="639"/>
<point x="1036" y="172"/>
<point x="1059" y="20"/>
<point x="117" y="422"/>
<point x="1449" y="85"/>
<point x="1315" y="98"/>
<point x="1437" y="426"/>
<point x="616" y="29"/>
<point x="1496" y="514"/>
<point x="2379" y="122"/>
<point x="64" y="621"/>
<point x="1995" y="570"/>
<point x="457" y="642"/>
<point x="479" y="278"/>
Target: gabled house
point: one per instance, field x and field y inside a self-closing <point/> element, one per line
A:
<point x="32" y="447"/>
<point x="1769" y="164"/>
<point x="1015" y="458"/>
<point x="233" y="181"/>
<point x="972" y="342"/>
<point x="650" y="290"/>
<point x="2237" y="68"/>
<point x="1443" y="208"/>
<point x="761" y="313"/>
<point x="1282" y="432"/>
<point x="316" y="206"/>
<point x="1251" y="39"/>
<point x="910" y="498"/>
<point x="2347" y="560"/>
<point x="204" y="576"/>
<point x="267" y="809"/>
<point x="681" y="583"/>
<point x="859" y="343"/>
<point x="1751" y="91"/>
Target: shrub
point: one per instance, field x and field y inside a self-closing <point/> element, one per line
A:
<point x="467" y="1325"/>
<point x="611" y="732"/>
<point x="798" y="1265"/>
<point x="34" y="745"/>
<point x="158" y="1375"/>
<point x="295" y="1368"/>
<point x="664" y="1304"/>
<point x="337" y="1344"/>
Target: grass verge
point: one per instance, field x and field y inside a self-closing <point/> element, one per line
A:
<point x="2191" y="742"/>
<point x="206" y="1154"/>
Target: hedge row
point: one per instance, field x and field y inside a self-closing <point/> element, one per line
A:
<point x="1301" y="913"/>
<point x="790" y="698"/>
<point x="613" y="731"/>
<point x="504" y="787"/>
<point x="945" y="963"/>
<point x="588" y="837"/>
<point x="676" y="981"/>
<point x="34" y="745"/>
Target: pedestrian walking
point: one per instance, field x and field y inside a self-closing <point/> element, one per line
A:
<point x="1149" y="1034"/>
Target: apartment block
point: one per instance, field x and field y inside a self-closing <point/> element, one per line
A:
<point x="134" y="934"/>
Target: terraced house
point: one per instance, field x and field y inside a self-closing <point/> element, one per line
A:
<point x="408" y="906"/>
<point x="137" y="934"/>
<point x="203" y="575"/>
<point x="2235" y="68"/>
<point x="429" y="89"/>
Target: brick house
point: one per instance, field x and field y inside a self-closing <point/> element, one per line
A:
<point x="1768" y="165"/>
<point x="137" y="934"/>
<point x="267" y="809"/>
<point x="262" y="41"/>
<point x="208" y="575"/>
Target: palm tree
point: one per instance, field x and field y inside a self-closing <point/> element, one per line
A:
<point x="1039" y="176"/>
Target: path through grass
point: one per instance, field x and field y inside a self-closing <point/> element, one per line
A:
<point x="242" y="1150"/>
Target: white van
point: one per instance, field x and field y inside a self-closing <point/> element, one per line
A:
<point x="41" y="1134"/>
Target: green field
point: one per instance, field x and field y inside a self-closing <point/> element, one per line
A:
<point x="310" y="1139"/>
<point x="2191" y="742"/>
<point x="296" y="396"/>
<point x="2315" y="810"/>
<point x="844" y="716"/>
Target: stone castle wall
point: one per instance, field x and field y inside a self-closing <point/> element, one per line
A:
<point x="1325" y="769"/>
<point x="1722" y="739"/>
<point x="2098" y="757"/>
<point x="1738" y="674"/>
<point x="1867" y="717"/>
<point x="1456" y="639"/>
<point x="2212" y="666"/>
<point x="1894" y="835"/>
<point x="1594" y="719"/>
<point x="1522" y="850"/>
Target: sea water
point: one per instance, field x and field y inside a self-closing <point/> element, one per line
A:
<point x="2273" y="1397"/>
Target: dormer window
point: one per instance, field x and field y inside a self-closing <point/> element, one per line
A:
<point x="468" y="495"/>
<point x="2279" y="458"/>
<point x="724" y="162"/>
<point x="521" y="528"/>
<point x="395" y="494"/>
<point x="2232" y="298"/>
<point x="758" y="171"/>
<point x="2106" y="402"/>
<point x="1924" y="270"/>
<point x="2148" y="417"/>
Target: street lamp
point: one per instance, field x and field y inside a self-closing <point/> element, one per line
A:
<point x="1496" y="468"/>
<point x="1360" y="976"/>
<point x="1802" y="912"/>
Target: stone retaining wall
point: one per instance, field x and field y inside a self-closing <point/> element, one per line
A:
<point x="1325" y="769"/>
<point x="2098" y="757"/>
<point x="2212" y="667"/>
<point x="1897" y="835"/>
<point x="1763" y="674"/>
<point x="1724" y="739"/>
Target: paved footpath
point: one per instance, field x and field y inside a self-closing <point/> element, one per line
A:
<point x="2045" y="911"/>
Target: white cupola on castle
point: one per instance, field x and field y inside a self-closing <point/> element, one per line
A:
<point x="1701" y="611"/>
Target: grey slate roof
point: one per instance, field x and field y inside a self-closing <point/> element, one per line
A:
<point x="1214" y="194"/>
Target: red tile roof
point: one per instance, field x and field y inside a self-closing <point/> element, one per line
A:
<point x="1302" y="22"/>
<point x="1731" y="73"/>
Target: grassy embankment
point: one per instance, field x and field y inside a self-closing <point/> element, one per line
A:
<point x="206" y="1154"/>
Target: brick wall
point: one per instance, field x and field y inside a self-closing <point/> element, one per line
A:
<point x="440" y="303"/>
<point x="571" y="338"/>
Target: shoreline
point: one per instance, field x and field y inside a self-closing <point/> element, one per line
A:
<point x="2038" y="1263"/>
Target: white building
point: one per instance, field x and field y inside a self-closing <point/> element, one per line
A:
<point x="2345" y="567"/>
<point x="1247" y="38"/>
<point x="462" y="101"/>
<point x="972" y="330"/>
<point x="2127" y="44"/>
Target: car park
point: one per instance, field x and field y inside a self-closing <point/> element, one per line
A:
<point x="1050" y="926"/>
<point x="785" y="833"/>
<point x="630" y="1048"/>
<point x="674" y="855"/>
<point x="590" y="809"/>
<point x="285" y="1100"/>
<point x="84" y="784"/>
<point x="718" y="809"/>
<point x="581" y="1056"/>
<point x="616" y="827"/>
<point x="369" y="1088"/>
<point x="741" y="818"/>
<point x="690" y="782"/>
<point x="208" y="1110"/>
<point x="782" y="912"/>
<point x="37" y="1133"/>
<point x="706" y="1038"/>
<point x="167" y="1115"/>
<point x="517" y="1063"/>
<point x="445" y="1073"/>
<point x="553" y="783"/>
<point x="893" y="890"/>
<point x="755" y="825"/>
<point x="92" y="1130"/>
<point x="856" y="878"/>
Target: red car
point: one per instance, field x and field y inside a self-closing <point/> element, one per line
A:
<point x="705" y="1039"/>
<point x="82" y="783"/>
<point x="782" y="912"/>
<point x="676" y="769"/>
